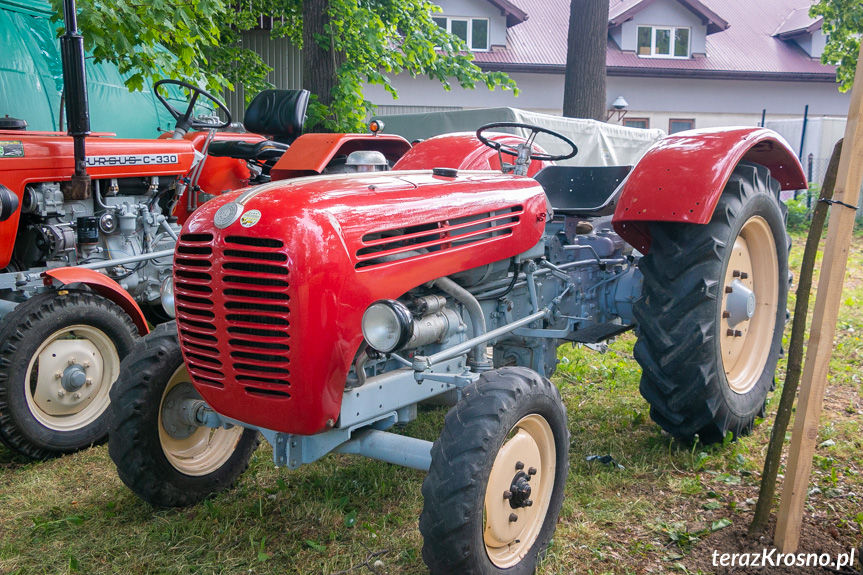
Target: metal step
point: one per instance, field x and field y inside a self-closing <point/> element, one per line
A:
<point x="597" y="333"/>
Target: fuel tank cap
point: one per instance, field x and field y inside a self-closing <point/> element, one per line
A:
<point x="445" y="172"/>
<point x="10" y="123"/>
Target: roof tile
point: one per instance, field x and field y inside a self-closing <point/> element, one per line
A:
<point x="746" y="48"/>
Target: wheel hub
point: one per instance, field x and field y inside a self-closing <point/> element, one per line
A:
<point x="69" y="375"/>
<point x="178" y="411"/>
<point x="74" y="377"/>
<point x="740" y="303"/>
<point x="519" y="491"/>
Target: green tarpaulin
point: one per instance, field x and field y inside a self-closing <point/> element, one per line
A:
<point x="31" y="82"/>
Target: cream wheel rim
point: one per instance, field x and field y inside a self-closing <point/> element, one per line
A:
<point x="69" y="378"/>
<point x="529" y="447"/>
<point x="204" y="450"/>
<point x="750" y="301"/>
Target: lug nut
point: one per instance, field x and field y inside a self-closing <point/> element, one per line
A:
<point x="729" y="289"/>
<point x="58" y="375"/>
<point x="61" y="393"/>
<point x="89" y="381"/>
<point x="528" y="503"/>
<point x="513" y="517"/>
<point x="737" y="333"/>
<point x="77" y="396"/>
<point x="735" y="273"/>
<point x="531" y="471"/>
<point x="734" y="333"/>
<point x="507" y="494"/>
<point x="71" y="361"/>
<point x="726" y="314"/>
<point x="519" y="465"/>
<point x="744" y="275"/>
<point x="86" y="364"/>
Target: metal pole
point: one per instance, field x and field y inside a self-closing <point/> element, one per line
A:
<point x="389" y="447"/>
<point x="77" y="109"/>
<point x="464" y="346"/>
<point x="803" y="132"/>
<point x="123" y="261"/>
<point x="763" y="116"/>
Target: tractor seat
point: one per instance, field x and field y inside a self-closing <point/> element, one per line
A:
<point x="582" y="190"/>
<point x="260" y="151"/>
<point x="278" y="114"/>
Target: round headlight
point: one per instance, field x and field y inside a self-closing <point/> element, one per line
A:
<point x="387" y="325"/>
<point x="166" y="292"/>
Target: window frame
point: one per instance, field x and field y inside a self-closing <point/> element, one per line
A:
<point x="645" y="120"/>
<point x="672" y="45"/>
<point x="672" y="120"/>
<point x="469" y="19"/>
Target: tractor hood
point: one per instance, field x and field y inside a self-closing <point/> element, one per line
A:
<point x="271" y="282"/>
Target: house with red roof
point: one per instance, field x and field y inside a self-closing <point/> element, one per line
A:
<point x="671" y="64"/>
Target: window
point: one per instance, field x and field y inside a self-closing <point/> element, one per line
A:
<point x="663" y="42"/>
<point x="675" y="126"/>
<point x="642" y="123"/>
<point x="473" y="31"/>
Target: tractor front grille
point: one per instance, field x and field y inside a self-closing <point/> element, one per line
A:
<point x="233" y="312"/>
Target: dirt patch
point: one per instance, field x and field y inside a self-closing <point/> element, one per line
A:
<point x="814" y="539"/>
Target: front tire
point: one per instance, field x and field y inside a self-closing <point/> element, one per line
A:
<point x="60" y="354"/>
<point x="713" y="310"/>
<point x="164" y="461"/>
<point x="505" y="444"/>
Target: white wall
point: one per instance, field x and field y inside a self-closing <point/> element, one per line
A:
<point x="713" y="100"/>
<point x="664" y="13"/>
<point x="477" y="9"/>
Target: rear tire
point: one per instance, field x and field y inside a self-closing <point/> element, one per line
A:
<point x="510" y="416"/>
<point x="80" y="337"/>
<point x="169" y="467"/>
<point x="708" y="355"/>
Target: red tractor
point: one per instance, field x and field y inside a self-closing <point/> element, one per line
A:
<point x="118" y="207"/>
<point x="320" y="312"/>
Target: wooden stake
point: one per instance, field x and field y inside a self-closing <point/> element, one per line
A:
<point x="820" y="348"/>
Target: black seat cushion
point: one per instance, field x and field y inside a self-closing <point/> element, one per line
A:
<point x="278" y="113"/>
<point x="261" y="151"/>
<point x="582" y="190"/>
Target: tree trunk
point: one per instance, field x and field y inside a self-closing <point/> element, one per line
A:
<point x="320" y="62"/>
<point x="584" y="87"/>
<point x="795" y="351"/>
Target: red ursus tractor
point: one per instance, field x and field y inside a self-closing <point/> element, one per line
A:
<point x="118" y="208"/>
<point x="320" y="312"/>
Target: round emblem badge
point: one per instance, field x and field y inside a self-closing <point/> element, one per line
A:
<point x="250" y="218"/>
<point x="226" y="215"/>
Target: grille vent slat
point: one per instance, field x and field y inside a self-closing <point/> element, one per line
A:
<point x="233" y="312"/>
<point x="437" y="236"/>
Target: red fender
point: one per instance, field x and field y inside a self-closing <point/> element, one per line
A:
<point x="104" y="286"/>
<point x="310" y="153"/>
<point x="682" y="176"/>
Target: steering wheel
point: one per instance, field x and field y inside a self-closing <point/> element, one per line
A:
<point x="534" y="131"/>
<point x="186" y="120"/>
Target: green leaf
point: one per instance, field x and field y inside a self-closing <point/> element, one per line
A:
<point x="351" y="519"/>
<point x="710" y="505"/>
<point x="262" y="556"/>
<point x="316" y="546"/>
<point x="728" y="478"/>
<point x="720" y="524"/>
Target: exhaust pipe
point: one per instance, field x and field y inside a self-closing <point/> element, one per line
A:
<point x="77" y="109"/>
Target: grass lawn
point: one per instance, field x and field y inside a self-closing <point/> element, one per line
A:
<point x="74" y="515"/>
